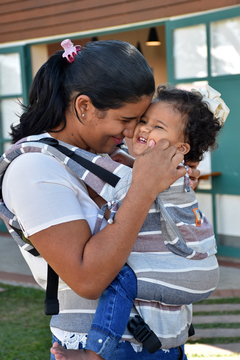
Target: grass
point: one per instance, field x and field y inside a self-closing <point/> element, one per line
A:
<point x="217" y="340"/>
<point x="25" y="332"/>
<point x="217" y="325"/>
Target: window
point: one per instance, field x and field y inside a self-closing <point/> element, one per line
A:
<point x="10" y="74"/>
<point x="190" y="52"/>
<point x="225" y="47"/>
<point x="13" y="91"/>
<point x="10" y="109"/>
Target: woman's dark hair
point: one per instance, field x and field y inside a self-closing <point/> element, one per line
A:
<point x="110" y="72"/>
<point x="201" y="128"/>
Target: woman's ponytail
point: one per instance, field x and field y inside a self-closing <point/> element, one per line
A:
<point x="47" y="100"/>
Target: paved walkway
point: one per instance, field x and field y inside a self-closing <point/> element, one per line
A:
<point x="14" y="270"/>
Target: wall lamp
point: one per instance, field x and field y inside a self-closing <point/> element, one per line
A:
<point x="153" y="38"/>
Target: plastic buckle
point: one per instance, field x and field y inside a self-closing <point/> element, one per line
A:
<point x="143" y="334"/>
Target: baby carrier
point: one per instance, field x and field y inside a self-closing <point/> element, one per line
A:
<point x="96" y="171"/>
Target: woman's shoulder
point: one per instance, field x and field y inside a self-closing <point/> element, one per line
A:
<point x="35" y="163"/>
<point x="35" y="171"/>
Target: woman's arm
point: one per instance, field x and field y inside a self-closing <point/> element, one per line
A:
<point x="89" y="263"/>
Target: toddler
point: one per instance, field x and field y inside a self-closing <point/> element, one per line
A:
<point x="175" y="248"/>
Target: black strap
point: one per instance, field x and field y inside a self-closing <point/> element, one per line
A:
<point x="143" y="334"/>
<point x="51" y="300"/>
<point x="33" y="251"/>
<point x="97" y="170"/>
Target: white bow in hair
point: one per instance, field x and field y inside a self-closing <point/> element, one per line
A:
<point x="215" y="104"/>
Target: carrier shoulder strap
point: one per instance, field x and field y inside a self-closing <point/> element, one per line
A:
<point x="97" y="170"/>
<point x="67" y="155"/>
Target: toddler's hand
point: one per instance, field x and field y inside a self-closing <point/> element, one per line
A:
<point x="193" y="173"/>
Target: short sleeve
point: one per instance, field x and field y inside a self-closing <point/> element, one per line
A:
<point x="41" y="192"/>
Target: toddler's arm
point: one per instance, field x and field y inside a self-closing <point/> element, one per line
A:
<point x="98" y="200"/>
<point x="122" y="157"/>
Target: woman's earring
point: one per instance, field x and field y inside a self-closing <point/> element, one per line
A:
<point x="82" y="115"/>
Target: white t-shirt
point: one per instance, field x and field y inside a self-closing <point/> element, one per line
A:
<point x="42" y="193"/>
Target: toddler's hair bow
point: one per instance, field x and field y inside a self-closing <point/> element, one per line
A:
<point x="215" y="104"/>
<point x="70" y="50"/>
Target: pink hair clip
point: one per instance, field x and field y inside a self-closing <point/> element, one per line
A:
<point x="70" y="50"/>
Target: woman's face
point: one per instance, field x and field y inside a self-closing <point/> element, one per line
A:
<point x="103" y="133"/>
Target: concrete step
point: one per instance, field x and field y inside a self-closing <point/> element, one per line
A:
<point x="216" y="319"/>
<point x="215" y="333"/>
<point x="229" y="351"/>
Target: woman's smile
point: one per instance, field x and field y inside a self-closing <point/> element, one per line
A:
<point x="117" y="140"/>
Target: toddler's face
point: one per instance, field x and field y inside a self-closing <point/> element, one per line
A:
<point x="161" y="121"/>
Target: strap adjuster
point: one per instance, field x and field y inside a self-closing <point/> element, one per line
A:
<point x="143" y="334"/>
<point x="51" y="307"/>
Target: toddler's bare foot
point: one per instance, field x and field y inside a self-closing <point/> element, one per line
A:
<point x="64" y="354"/>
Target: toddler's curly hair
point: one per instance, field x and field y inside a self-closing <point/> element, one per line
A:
<point x="201" y="128"/>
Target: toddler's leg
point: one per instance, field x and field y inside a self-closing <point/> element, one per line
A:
<point x="112" y="314"/>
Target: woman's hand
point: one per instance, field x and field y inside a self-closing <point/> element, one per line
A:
<point x="157" y="168"/>
<point x="193" y="173"/>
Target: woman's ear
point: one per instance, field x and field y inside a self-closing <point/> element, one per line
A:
<point x="184" y="148"/>
<point x="82" y="105"/>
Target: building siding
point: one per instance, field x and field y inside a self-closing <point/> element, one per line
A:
<point x="28" y="19"/>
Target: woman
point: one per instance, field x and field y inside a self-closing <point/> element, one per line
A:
<point x="92" y="103"/>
